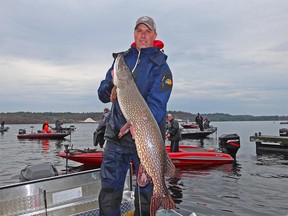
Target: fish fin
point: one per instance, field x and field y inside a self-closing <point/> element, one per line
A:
<point x="170" y="167"/>
<point x="157" y="201"/>
<point x="132" y="131"/>
<point x="125" y="129"/>
<point x="113" y="94"/>
<point x="143" y="177"/>
<point x="168" y="202"/>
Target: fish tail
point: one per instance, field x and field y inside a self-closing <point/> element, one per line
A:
<point x="157" y="201"/>
<point x="168" y="202"/>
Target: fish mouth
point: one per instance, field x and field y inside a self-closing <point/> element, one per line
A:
<point x="121" y="68"/>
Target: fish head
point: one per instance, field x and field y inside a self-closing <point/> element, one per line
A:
<point x="122" y="74"/>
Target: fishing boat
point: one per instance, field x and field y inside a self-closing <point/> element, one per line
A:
<point x="186" y="157"/>
<point x="189" y="156"/>
<point x="192" y="133"/>
<point x="4" y="129"/>
<point x="41" y="135"/>
<point x="283" y="132"/>
<point x="66" y="194"/>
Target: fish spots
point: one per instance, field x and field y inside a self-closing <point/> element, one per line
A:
<point x="148" y="137"/>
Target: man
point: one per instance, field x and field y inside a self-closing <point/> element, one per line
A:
<point x="199" y="121"/>
<point x="2" y="124"/>
<point x="173" y="133"/>
<point x="100" y="130"/>
<point x="154" y="81"/>
<point x="58" y="126"/>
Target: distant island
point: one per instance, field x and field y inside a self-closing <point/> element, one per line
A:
<point x="68" y="117"/>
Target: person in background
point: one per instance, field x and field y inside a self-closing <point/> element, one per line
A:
<point x="45" y="127"/>
<point x="153" y="78"/>
<point x="206" y="123"/>
<point x="199" y="121"/>
<point x="100" y="130"/>
<point x="173" y="133"/>
<point x="58" y="126"/>
<point x="2" y="124"/>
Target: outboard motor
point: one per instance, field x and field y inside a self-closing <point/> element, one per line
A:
<point x="33" y="172"/>
<point x="283" y="132"/>
<point x="230" y="142"/>
<point x="22" y="131"/>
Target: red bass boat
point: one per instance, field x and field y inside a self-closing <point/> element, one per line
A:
<point x="186" y="157"/>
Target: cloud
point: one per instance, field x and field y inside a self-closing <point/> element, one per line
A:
<point x="226" y="56"/>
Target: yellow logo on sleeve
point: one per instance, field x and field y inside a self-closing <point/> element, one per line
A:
<point x="168" y="81"/>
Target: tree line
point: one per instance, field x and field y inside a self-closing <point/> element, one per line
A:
<point x="68" y="117"/>
<point x="51" y="117"/>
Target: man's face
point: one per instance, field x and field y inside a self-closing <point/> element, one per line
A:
<point x="144" y="37"/>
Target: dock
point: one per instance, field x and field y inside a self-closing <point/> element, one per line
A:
<point x="270" y="143"/>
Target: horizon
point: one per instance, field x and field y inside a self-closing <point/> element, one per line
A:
<point x="172" y="111"/>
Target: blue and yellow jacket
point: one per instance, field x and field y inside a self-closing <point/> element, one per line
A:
<point x="153" y="78"/>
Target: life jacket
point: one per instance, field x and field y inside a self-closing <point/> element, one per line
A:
<point x="157" y="43"/>
<point x="46" y="128"/>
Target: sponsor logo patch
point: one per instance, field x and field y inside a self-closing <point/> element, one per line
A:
<point x="166" y="84"/>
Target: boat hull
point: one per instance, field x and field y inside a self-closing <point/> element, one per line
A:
<point x="43" y="136"/>
<point x="4" y="129"/>
<point x="196" y="133"/>
<point x="186" y="157"/>
<point x="192" y="125"/>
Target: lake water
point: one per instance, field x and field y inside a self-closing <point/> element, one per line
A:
<point x="256" y="185"/>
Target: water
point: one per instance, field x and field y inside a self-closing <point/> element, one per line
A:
<point x="256" y="185"/>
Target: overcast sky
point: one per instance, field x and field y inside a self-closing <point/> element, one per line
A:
<point x="226" y="56"/>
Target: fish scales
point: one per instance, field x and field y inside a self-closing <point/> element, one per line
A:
<point x="148" y="137"/>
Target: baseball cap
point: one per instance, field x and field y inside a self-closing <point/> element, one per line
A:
<point x="148" y="21"/>
<point x="169" y="115"/>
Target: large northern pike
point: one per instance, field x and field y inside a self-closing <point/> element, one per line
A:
<point x="148" y="138"/>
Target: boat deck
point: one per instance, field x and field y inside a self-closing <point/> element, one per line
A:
<point x="70" y="194"/>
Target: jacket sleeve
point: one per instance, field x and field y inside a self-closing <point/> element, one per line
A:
<point x="105" y="87"/>
<point x="159" y="93"/>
